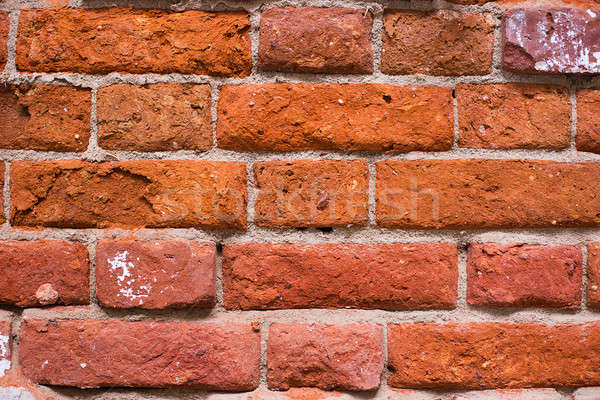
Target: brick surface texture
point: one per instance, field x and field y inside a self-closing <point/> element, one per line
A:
<point x="300" y="200"/>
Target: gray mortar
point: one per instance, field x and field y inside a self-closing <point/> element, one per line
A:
<point x="368" y="234"/>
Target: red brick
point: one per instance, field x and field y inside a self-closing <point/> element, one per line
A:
<point x="522" y="275"/>
<point x="344" y="357"/>
<point x="354" y="117"/>
<point x="100" y="41"/>
<point x="514" y="116"/>
<point x="92" y="353"/>
<point x="5" y="347"/>
<point x="387" y="276"/>
<point x="159" y="117"/>
<point x="155" y="275"/>
<point x="593" y="275"/>
<point x="310" y="193"/>
<point x="493" y="355"/>
<point x="76" y="194"/>
<point x="473" y="193"/>
<point x="552" y="40"/>
<point x="588" y="122"/>
<point x="4" y="28"/>
<point x="439" y="42"/>
<point x="319" y="40"/>
<point x="45" y="117"/>
<point x="44" y="272"/>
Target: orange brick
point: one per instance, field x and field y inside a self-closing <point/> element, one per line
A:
<point x="355" y="117"/>
<point x="493" y="355"/>
<point x="437" y="43"/>
<point x="310" y="193"/>
<point x="100" y="41"/>
<point x="514" y="116"/>
<point x="160" y="117"/>
<point x="76" y="194"/>
<point x="474" y="194"/>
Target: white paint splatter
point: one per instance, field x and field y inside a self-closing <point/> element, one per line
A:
<point x="83" y="365"/>
<point x="120" y="262"/>
<point x="591" y="13"/>
<point x="4" y="361"/>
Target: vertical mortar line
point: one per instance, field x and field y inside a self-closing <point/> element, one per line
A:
<point x="252" y="194"/>
<point x="92" y="254"/>
<point x="15" y="329"/>
<point x="215" y="91"/>
<point x="573" y="96"/>
<point x="455" y="145"/>
<point x="255" y="15"/>
<point x="584" y="281"/>
<point x="376" y="41"/>
<point x="461" y="301"/>
<point x="496" y="14"/>
<point x="11" y="68"/>
<point x="386" y="372"/>
<point x="219" y="290"/>
<point x="93" y="151"/>
<point x="372" y="206"/>
<point x="264" y="340"/>
<point x="6" y="193"/>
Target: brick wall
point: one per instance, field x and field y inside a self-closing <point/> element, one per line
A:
<point x="300" y="200"/>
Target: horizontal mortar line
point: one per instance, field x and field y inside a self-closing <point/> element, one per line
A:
<point x="217" y="154"/>
<point x="368" y="235"/>
<point x="314" y="315"/>
<point x="250" y="6"/>
<point x="263" y="77"/>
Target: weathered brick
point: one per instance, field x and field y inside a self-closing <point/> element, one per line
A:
<point x="344" y="357"/>
<point x="155" y="275"/>
<point x="473" y="193"/>
<point x="437" y="43"/>
<point x="588" y="123"/>
<point x="76" y="194"/>
<point x="150" y="354"/>
<point x="44" y="272"/>
<point x="552" y="40"/>
<point x="493" y="355"/>
<point x="159" y="117"/>
<point x="309" y="193"/>
<point x="100" y="41"/>
<point x="354" y="117"/>
<point x="45" y="117"/>
<point x="5" y="343"/>
<point x="320" y="40"/>
<point x="4" y="27"/>
<point x="387" y="276"/>
<point x="522" y="275"/>
<point x="593" y="275"/>
<point x="514" y="116"/>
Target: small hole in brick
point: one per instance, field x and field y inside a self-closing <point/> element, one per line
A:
<point x="301" y="229"/>
<point x="453" y="93"/>
<point x="219" y="248"/>
<point x="326" y="230"/>
<point x="391" y="368"/>
<point x="387" y="98"/>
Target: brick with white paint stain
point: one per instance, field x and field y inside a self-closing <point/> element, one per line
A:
<point x="552" y="40"/>
<point x="155" y="274"/>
